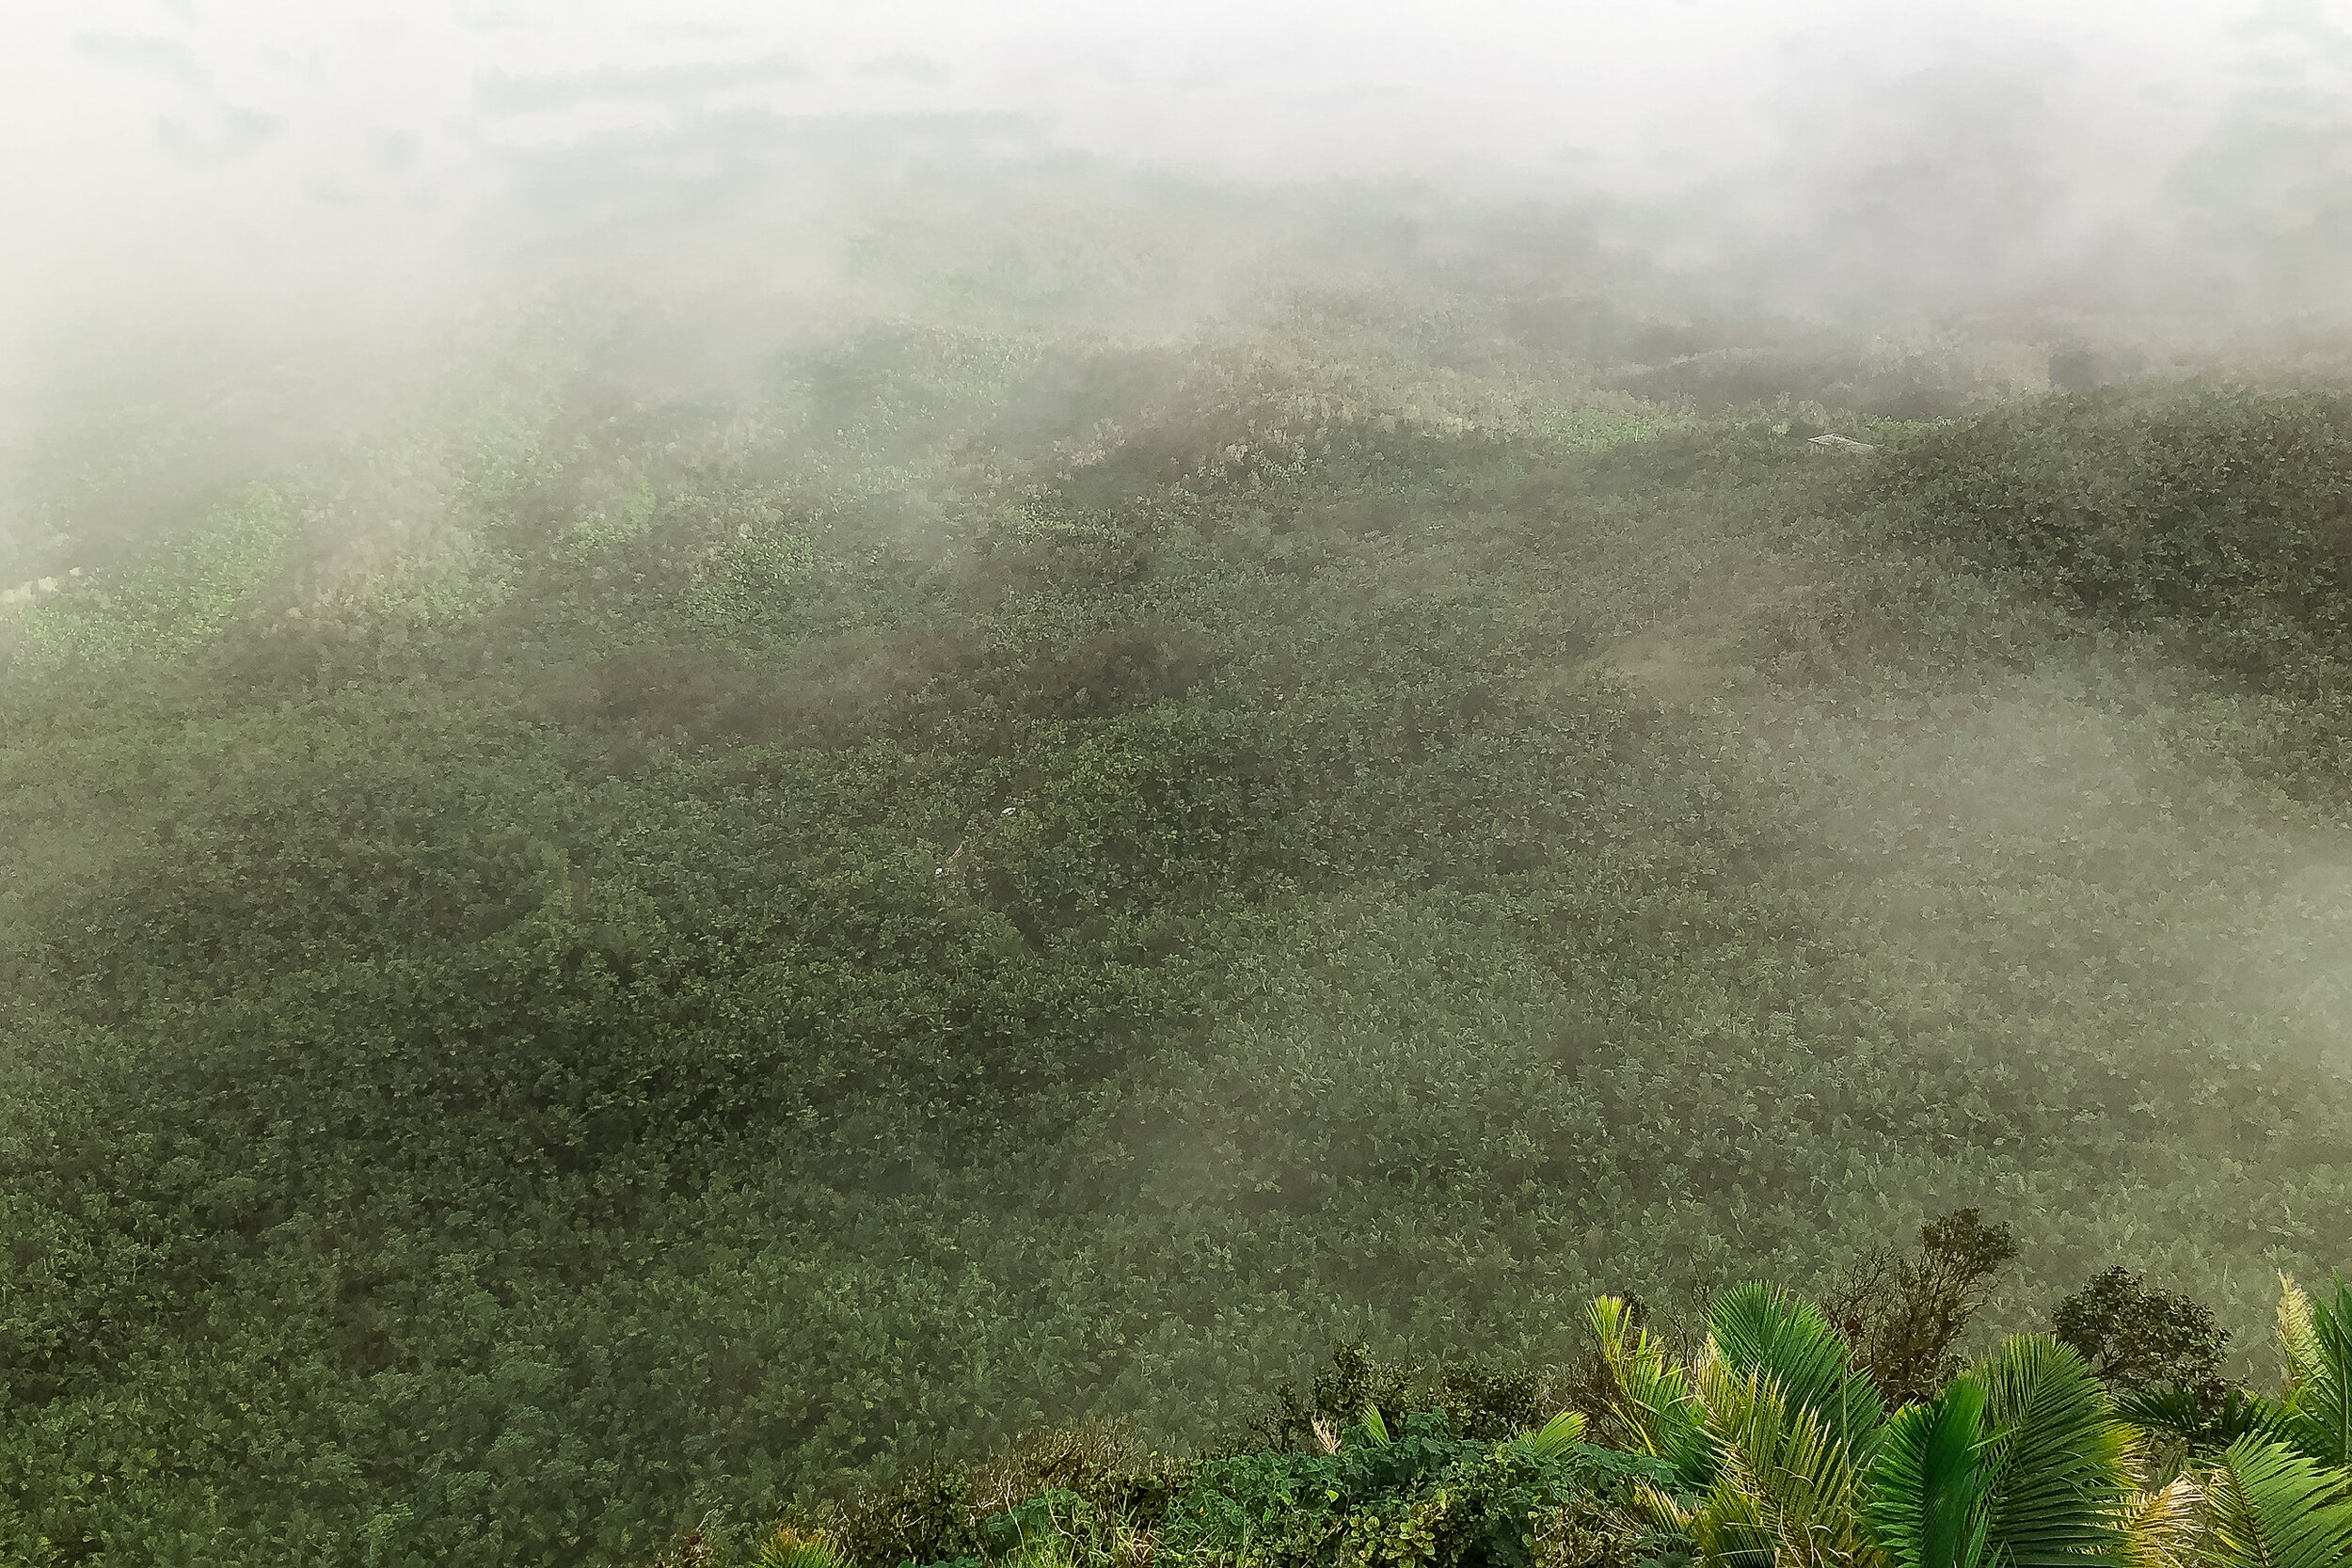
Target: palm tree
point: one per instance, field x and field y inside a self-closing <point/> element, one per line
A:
<point x="2280" y="1496"/>
<point x="2018" y="1462"/>
<point x="1765" y="1432"/>
<point x="2312" y="1414"/>
<point x="2314" y="1407"/>
<point x="1783" y="1456"/>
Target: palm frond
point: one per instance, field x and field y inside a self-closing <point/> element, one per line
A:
<point x="2060" y="1480"/>
<point x="1728" y="1527"/>
<point x="2298" y="1340"/>
<point x="2270" y="1507"/>
<point x="2316" y="1337"/>
<point x="791" y="1549"/>
<point x="1759" y="1327"/>
<point x="1555" y="1436"/>
<point x="2203" y="1421"/>
<point x="1660" y="1509"/>
<point x="1926" y="1497"/>
<point x="1782" y="1489"/>
<point x="2160" y="1528"/>
<point x="1649" y="1392"/>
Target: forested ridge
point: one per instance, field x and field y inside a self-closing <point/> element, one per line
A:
<point x="1844" y="1432"/>
<point x="614" y="954"/>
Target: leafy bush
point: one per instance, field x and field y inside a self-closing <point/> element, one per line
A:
<point x="2136" y="1336"/>
<point x="1369" y="1496"/>
<point x="1903" y="1315"/>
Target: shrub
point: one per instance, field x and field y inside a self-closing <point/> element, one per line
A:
<point x="1903" y="1315"/>
<point x="2136" y="1336"/>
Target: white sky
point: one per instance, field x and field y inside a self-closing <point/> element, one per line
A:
<point x="148" y="137"/>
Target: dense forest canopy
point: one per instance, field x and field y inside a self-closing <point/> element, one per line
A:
<point x="641" y="906"/>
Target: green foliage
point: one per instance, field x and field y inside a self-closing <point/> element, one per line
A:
<point x="789" y="1548"/>
<point x="1557" y="1435"/>
<point x="747" y="944"/>
<point x="1650" y="1395"/>
<point x="173" y="602"/>
<point x="2222" y="506"/>
<point x="1355" y="1387"/>
<point x="2202" y="1420"/>
<point x="1762" y="1331"/>
<point x="2137" y="1336"/>
<point x="2218" y="516"/>
<point x="1420" y="1496"/>
<point x="1903" y="1315"/>
<point x="1926" y="1498"/>
<point x="2059" y="1480"/>
<point x="2273" y="1508"/>
<point x="2017" y="1459"/>
<point x="2316" y="1401"/>
<point x="1784" y="1476"/>
<point x="1490" y="1402"/>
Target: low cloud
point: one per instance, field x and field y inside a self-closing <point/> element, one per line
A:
<point x="499" y="93"/>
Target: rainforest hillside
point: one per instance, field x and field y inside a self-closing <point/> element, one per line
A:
<point x="1847" y="1432"/>
<point x="686" y="911"/>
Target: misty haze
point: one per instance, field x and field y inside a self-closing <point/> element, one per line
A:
<point x="1041" y="785"/>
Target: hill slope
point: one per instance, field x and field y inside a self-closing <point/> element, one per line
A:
<point x="603" y="955"/>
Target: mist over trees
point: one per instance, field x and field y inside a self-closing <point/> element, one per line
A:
<point x="755" y="826"/>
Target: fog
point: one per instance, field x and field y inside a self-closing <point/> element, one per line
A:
<point x="267" y="217"/>
<point x="1112" y="691"/>
<point x="1831" y="155"/>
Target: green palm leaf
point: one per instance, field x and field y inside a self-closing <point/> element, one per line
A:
<point x="1763" y="1328"/>
<point x="1555" y="1436"/>
<point x="789" y="1548"/>
<point x="2059" y="1479"/>
<point x="1782" y="1489"/>
<point x="2270" y="1507"/>
<point x="1728" y="1527"/>
<point x="1649" y="1394"/>
<point x="1926" y="1495"/>
<point x="2316" y="1337"/>
<point x="2203" y="1421"/>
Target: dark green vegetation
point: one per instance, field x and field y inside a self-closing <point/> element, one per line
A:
<point x="1772" y="1444"/>
<point x="615" y="949"/>
<point x="2219" y="520"/>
